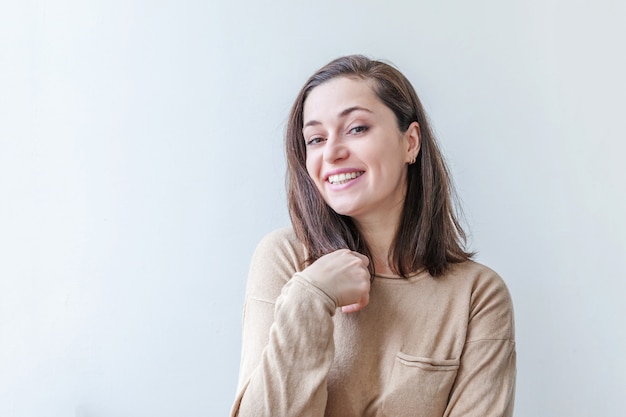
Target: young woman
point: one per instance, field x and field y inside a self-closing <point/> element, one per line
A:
<point x="369" y="305"/>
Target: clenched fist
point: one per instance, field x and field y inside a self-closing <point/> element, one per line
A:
<point x="344" y="275"/>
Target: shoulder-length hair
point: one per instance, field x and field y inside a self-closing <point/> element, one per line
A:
<point x="429" y="235"/>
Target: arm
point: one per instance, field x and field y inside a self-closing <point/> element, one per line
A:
<point x="288" y="329"/>
<point x="287" y="335"/>
<point x="290" y="377"/>
<point x="485" y="382"/>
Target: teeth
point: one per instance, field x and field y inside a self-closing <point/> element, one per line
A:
<point x="343" y="178"/>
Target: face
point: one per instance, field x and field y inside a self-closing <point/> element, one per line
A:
<point x="356" y="154"/>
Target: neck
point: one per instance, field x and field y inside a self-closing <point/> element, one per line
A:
<point x="379" y="235"/>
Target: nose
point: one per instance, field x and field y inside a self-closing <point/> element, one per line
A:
<point x="335" y="150"/>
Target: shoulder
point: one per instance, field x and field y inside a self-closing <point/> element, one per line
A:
<point x="280" y="238"/>
<point x="490" y="303"/>
<point x="281" y="245"/>
<point x="477" y="277"/>
<point x="278" y="256"/>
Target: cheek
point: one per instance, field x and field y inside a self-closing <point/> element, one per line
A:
<point x="312" y="167"/>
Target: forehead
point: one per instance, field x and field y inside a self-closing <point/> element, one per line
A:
<point x="333" y="96"/>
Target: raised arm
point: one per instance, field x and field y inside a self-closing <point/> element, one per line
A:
<point x="288" y="346"/>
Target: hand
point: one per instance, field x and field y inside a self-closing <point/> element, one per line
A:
<point x="344" y="274"/>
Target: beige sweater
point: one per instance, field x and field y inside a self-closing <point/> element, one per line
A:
<point x="423" y="346"/>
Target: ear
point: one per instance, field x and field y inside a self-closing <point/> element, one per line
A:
<point x="413" y="141"/>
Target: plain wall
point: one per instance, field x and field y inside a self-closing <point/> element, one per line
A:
<point x="141" y="161"/>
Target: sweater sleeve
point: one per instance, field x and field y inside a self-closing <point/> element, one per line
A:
<point x="485" y="382"/>
<point x="287" y="343"/>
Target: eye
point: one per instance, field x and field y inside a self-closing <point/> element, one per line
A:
<point x="358" y="129"/>
<point x="314" y="140"/>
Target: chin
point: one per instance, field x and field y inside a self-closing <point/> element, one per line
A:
<point x="346" y="206"/>
<point x="344" y="211"/>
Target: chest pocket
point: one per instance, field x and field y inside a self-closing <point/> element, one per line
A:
<point x="419" y="387"/>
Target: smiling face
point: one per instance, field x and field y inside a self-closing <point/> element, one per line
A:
<point x="355" y="153"/>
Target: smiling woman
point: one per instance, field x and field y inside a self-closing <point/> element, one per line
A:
<point x="356" y="154"/>
<point x="423" y="330"/>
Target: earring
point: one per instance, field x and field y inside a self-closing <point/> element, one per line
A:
<point x="412" y="161"/>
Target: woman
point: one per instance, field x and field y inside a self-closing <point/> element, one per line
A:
<point x="422" y="329"/>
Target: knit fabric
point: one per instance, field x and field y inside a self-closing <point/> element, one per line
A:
<point x="423" y="346"/>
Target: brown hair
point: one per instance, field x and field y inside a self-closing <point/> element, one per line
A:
<point x="429" y="235"/>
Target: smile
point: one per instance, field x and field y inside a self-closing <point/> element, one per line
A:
<point x="344" y="177"/>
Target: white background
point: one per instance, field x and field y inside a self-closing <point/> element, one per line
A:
<point x="141" y="161"/>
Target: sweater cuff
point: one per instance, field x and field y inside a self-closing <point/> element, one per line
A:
<point x="305" y="281"/>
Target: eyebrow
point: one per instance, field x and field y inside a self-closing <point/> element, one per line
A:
<point x="343" y="113"/>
